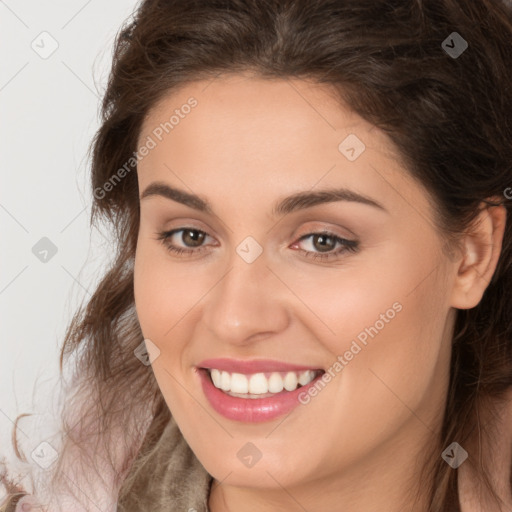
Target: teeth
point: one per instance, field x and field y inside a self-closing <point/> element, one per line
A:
<point x="306" y="378"/>
<point x="216" y="378"/>
<point x="225" y="381"/>
<point x="239" y="383"/>
<point x="290" y="381"/>
<point x="260" y="383"/>
<point x="275" y="383"/>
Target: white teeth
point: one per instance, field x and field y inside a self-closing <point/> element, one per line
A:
<point x="216" y="378"/>
<point x="275" y="383"/>
<point x="239" y="383"/>
<point x="290" y="381"/>
<point x="306" y="377"/>
<point x="225" y="382"/>
<point x="258" y="383"/>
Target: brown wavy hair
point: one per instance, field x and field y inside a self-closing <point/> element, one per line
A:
<point x="450" y="118"/>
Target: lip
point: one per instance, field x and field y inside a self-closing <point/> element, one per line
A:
<point x="251" y="410"/>
<point x="254" y="366"/>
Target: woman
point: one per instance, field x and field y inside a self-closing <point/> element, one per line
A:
<point x="310" y="304"/>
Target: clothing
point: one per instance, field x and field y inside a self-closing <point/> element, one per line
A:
<point x="183" y="487"/>
<point x="11" y="503"/>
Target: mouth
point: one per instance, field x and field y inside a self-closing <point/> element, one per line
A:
<point x="260" y="384"/>
<point x="256" y="395"/>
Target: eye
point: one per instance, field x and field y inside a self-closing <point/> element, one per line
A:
<point x="191" y="237"/>
<point x="325" y="242"/>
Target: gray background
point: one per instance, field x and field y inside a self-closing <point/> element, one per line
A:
<point x="49" y="106"/>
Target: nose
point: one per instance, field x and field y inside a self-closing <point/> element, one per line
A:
<point x="247" y="304"/>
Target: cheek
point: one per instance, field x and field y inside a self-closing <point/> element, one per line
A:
<point x="155" y="303"/>
<point x="361" y="298"/>
<point x="166" y="301"/>
<point x="387" y="324"/>
<point x="164" y="291"/>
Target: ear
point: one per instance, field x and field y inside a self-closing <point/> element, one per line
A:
<point x="482" y="248"/>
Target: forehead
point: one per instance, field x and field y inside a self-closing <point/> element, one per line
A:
<point x="262" y="136"/>
<point x="260" y="106"/>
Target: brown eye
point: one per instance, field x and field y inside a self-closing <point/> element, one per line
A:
<point x="192" y="237"/>
<point x="324" y="242"/>
<point x="184" y="241"/>
<point x="325" y="245"/>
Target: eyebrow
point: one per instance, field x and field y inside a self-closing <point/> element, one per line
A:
<point x="292" y="203"/>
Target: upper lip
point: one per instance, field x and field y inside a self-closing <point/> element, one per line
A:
<point x="254" y="366"/>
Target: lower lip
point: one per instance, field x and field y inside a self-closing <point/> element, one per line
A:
<point x="251" y="410"/>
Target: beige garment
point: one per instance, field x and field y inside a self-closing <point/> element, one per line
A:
<point x="11" y="504"/>
<point x="184" y="486"/>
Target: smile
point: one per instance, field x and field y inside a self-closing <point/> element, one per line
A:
<point x="259" y="385"/>
<point x="254" y="391"/>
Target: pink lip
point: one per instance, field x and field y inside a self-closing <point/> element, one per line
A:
<point x="251" y="410"/>
<point x="250" y="367"/>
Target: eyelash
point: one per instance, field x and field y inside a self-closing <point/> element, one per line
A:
<point x="347" y="245"/>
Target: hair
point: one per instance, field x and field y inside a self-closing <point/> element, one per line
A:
<point x="450" y="119"/>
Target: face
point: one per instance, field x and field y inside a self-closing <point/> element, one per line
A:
<point x="350" y="281"/>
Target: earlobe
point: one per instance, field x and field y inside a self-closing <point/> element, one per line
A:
<point x="482" y="248"/>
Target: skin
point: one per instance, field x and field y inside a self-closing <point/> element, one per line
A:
<point x="360" y="443"/>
